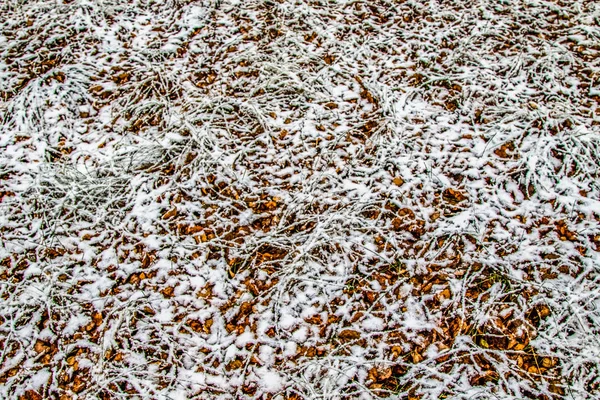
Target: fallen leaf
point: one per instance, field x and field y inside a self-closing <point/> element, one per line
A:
<point x="564" y="233"/>
<point x="384" y="373"/>
<point x="168" y="291"/>
<point x="30" y="395"/>
<point x="506" y="150"/>
<point x="245" y="309"/>
<point x="41" y="346"/>
<point x="329" y="59"/>
<point x="234" y="364"/>
<point x="453" y="196"/>
<point x="193" y="229"/>
<point x="169" y="214"/>
<point x="349" y="334"/>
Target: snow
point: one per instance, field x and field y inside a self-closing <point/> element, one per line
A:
<point x="300" y="335"/>
<point x="244" y="339"/>
<point x="271" y="381"/>
<point x="290" y="348"/>
<point x="232" y="198"/>
<point x="266" y="354"/>
<point x="287" y="321"/>
<point x="373" y="324"/>
<point x="40" y="378"/>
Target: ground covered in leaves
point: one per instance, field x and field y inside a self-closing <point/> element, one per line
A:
<point x="289" y="199"/>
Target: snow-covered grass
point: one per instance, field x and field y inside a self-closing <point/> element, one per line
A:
<point x="299" y="199"/>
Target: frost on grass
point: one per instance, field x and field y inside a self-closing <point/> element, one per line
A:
<point x="298" y="200"/>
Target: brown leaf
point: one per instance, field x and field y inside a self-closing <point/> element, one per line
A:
<point x="417" y="228"/>
<point x="30" y="395"/>
<point x="170" y="213"/>
<point x="148" y="311"/>
<point x="96" y="88"/>
<point x="195" y="325"/>
<point x="416" y="357"/>
<point x="134" y="279"/>
<point x="357" y="316"/>
<point x="519" y="346"/>
<point x="90" y="326"/>
<point x="406" y="213"/>
<point x="147" y="259"/>
<point x="369" y="296"/>
<point x="168" y="291"/>
<point x="245" y="309"/>
<point x="397" y="351"/>
<point x="47" y="359"/>
<point x="121" y="78"/>
<point x="311" y="37"/>
<point x="205" y="292"/>
<point x="507" y="150"/>
<point x="234" y="364"/>
<point x="192" y="229"/>
<point x="533" y="369"/>
<point x="453" y="196"/>
<point x="372" y="374"/>
<point x="564" y="233"/>
<point x="548" y="362"/>
<point x="349" y="334"/>
<point x="397" y="223"/>
<point x="207" y="325"/>
<point x="97" y="318"/>
<point x="53" y="253"/>
<point x="368" y="127"/>
<point x="365" y="94"/>
<point x="78" y="384"/>
<point x="271" y="205"/>
<point x="543" y="311"/>
<point x="250" y="389"/>
<point x="41" y="346"/>
<point x="445" y="294"/>
<point x="310" y="351"/>
<point x="59" y="76"/>
<point x="384" y="373"/>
